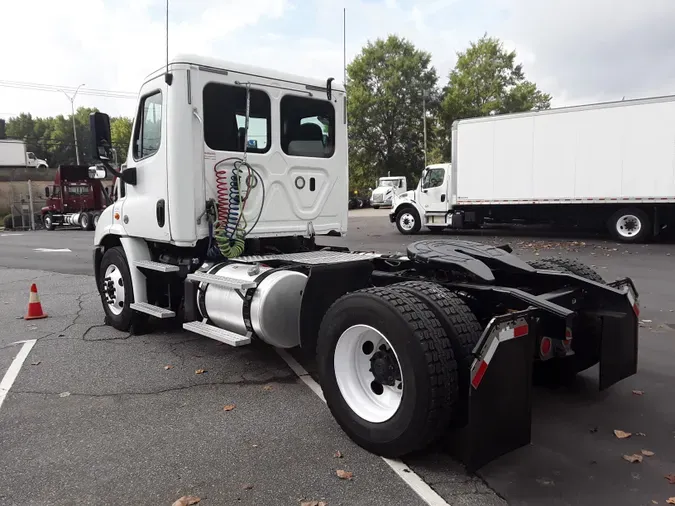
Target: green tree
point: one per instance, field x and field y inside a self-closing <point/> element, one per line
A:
<point x="120" y="132"/>
<point x="485" y="80"/>
<point x="385" y="87"/>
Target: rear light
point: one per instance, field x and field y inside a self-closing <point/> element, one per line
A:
<point x="545" y="348"/>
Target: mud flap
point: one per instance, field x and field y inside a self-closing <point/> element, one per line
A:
<point x="500" y="393"/>
<point x="619" y="346"/>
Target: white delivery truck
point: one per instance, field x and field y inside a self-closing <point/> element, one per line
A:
<point x="604" y="165"/>
<point x="13" y="155"/>
<point x="385" y="190"/>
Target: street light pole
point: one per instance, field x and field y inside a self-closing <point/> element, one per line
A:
<point x="425" y="94"/>
<point x="72" y="109"/>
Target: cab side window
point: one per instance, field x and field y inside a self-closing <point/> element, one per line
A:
<point x="433" y="178"/>
<point x="56" y="192"/>
<point x="307" y="127"/>
<point x="148" y="131"/>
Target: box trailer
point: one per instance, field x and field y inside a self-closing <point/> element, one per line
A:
<point x="604" y="165"/>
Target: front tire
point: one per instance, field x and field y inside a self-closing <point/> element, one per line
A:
<point x="48" y="221"/>
<point x="408" y="221"/>
<point x="376" y="207"/>
<point x="630" y="225"/>
<point x="387" y="371"/>
<point x="116" y="289"/>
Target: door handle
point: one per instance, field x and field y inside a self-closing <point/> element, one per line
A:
<point x="161" y="215"/>
<point x="443" y="197"/>
<point x="425" y="191"/>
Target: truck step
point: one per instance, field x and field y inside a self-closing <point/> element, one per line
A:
<point x="156" y="266"/>
<point x="211" y="279"/>
<point x="222" y="335"/>
<point x="156" y="311"/>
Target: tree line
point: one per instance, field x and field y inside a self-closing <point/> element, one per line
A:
<point x="51" y="138"/>
<point x="388" y="83"/>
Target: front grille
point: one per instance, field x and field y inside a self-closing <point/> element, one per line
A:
<point x="377" y="198"/>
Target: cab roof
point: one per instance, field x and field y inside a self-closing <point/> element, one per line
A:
<point x="208" y="62"/>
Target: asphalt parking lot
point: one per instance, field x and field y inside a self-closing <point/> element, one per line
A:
<point x="95" y="416"/>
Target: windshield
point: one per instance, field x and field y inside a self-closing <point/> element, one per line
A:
<point x="388" y="182"/>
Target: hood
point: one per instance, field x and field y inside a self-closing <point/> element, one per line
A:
<point x="383" y="190"/>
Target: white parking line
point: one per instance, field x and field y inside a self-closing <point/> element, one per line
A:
<point x="422" y="489"/>
<point x="15" y="367"/>
<point x="53" y="250"/>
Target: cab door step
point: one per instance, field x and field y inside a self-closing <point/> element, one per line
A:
<point x="211" y="279"/>
<point x="156" y="311"/>
<point x="222" y="335"/>
<point x="156" y="266"/>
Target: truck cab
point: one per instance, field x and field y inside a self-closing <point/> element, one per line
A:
<point x="429" y="204"/>
<point x="386" y="189"/>
<point x="33" y="161"/>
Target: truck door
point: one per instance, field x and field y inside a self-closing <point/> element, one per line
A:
<point x="144" y="204"/>
<point x="433" y="195"/>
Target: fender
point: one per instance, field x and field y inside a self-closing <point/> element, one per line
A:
<point x="401" y="202"/>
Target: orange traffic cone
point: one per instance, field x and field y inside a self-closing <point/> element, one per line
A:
<point x="34" y="307"/>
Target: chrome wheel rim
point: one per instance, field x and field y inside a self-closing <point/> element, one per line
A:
<point x="113" y="289"/>
<point x="407" y="221"/>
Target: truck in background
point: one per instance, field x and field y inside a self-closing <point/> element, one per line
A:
<point x="77" y="197"/>
<point x="608" y="165"/>
<point x="13" y="155"/>
<point x="386" y="189"/>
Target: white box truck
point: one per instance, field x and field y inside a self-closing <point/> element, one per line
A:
<point x="603" y="165"/>
<point x="13" y="155"/>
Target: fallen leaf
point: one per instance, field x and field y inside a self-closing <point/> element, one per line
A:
<point x="646" y="321"/>
<point x="187" y="500"/>
<point x="621" y="434"/>
<point x="268" y="388"/>
<point x="593" y="430"/>
<point x="647" y="453"/>
<point x="167" y="367"/>
<point x="200" y="371"/>
<point x="255" y="446"/>
<point x="633" y="458"/>
<point x="641" y="434"/>
<point x="228" y="407"/>
<point x="313" y="503"/>
<point x="670" y="478"/>
<point x="64" y="394"/>
<point x="344" y="475"/>
<point x="671" y="500"/>
<point x="248" y="486"/>
<point x="338" y="454"/>
<point x="37" y="363"/>
<point x="638" y="392"/>
<point x="654" y="502"/>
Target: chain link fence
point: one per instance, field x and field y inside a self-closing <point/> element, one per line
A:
<point x="24" y="200"/>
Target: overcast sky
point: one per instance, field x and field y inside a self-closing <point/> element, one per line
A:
<point x="580" y="51"/>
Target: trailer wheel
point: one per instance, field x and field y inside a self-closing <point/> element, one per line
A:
<point x="387" y="371"/>
<point x="48" y="221"/>
<point x="85" y="221"/>
<point x="459" y="324"/>
<point x="408" y="221"/>
<point x="630" y="225"/>
<point x="116" y="288"/>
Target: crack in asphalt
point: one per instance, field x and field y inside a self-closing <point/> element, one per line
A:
<point x="285" y="379"/>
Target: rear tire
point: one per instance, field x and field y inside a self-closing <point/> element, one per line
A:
<point x="85" y="221"/>
<point x="459" y="324"/>
<point x="428" y="371"/>
<point x="630" y="225"/>
<point x="408" y="221"/>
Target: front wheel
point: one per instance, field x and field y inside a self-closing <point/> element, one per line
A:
<point x="116" y="288"/>
<point x="376" y="207"/>
<point x="630" y="225"/>
<point x="408" y="221"/>
<point x="48" y="221"/>
<point x="387" y="371"/>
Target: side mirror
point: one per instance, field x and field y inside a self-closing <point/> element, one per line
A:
<point x="47" y="191"/>
<point x="99" y="124"/>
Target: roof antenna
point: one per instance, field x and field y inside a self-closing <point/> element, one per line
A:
<point x="168" y="77"/>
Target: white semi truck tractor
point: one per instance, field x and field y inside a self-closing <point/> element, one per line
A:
<point x="223" y="236"/>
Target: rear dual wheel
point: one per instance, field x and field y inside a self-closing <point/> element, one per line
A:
<point x="387" y="367"/>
